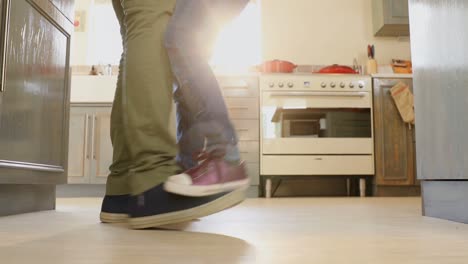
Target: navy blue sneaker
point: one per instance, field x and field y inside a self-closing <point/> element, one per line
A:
<point x="114" y="209"/>
<point x="156" y="207"/>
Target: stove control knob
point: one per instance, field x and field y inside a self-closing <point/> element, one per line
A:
<point x="342" y="85"/>
<point x="361" y="85"/>
<point x="332" y="85"/>
<point x="281" y="85"/>
<point x="351" y="85"/>
<point x="290" y="85"/>
<point x="323" y="85"/>
<point x="271" y="85"/>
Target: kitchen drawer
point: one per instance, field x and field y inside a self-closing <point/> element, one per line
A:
<point x="242" y="108"/>
<point x="238" y="86"/>
<point x="317" y="165"/>
<point x="249" y="150"/>
<point x="253" y="170"/>
<point x="246" y="129"/>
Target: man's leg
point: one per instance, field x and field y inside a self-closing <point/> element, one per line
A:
<point x="117" y="182"/>
<point x="147" y="94"/>
<point x="115" y="204"/>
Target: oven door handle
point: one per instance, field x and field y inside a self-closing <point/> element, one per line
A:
<point x="321" y="94"/>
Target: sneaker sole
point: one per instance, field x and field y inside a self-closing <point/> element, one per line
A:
<point x="110" y="218"/>
<point x="225" y="202"/>
<point x="204" y="190"/>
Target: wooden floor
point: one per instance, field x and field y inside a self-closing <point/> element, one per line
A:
<point x="341" y="230"/>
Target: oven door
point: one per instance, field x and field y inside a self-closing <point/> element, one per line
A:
<point x="313" y="122"/>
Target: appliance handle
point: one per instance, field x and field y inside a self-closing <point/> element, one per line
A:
<point x="321" y="94"/>
<point x="4" y="23"/>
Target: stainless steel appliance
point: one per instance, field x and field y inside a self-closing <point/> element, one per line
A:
<point x="316" y="124"/>
<point x="439" y="47"/>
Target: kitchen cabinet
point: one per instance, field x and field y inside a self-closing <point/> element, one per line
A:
<point x="395" y="173"/>
<point x="90" y="147"/>
<point x="78" y="158"/>
<point x="34" y="96"/>
<point x="241" y="94"/>
<point x="390" y="18"/>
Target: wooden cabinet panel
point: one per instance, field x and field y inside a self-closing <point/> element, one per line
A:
<point x="245" y="108"/>
<point x="102" y="148"/>
<point x="249" y="151"/>
<point x="247" y="129"/>
<point x="390" y="18"/>
<point x="399" y="13"/>
<point x="78" y="157"/>
<point x="66" y="7"/>
<point x="90" y="144"/>
<point x="394" y="144"/>
<point x="253" y="170"/>
<point x="235" y="86"/>
<point x="34" y="93"/>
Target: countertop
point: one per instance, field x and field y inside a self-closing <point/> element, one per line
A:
<point x="392" y="75"/>
<point x="92" y="89"/>
<point x="101" y="89"/>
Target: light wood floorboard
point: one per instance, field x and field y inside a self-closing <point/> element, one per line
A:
<point x="303" y="230"/>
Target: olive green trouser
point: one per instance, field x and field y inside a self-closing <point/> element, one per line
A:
<point x="144" y="148"/>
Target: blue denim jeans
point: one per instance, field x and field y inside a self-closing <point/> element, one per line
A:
<point x="202" y="116"/>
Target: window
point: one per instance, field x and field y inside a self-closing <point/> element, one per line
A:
<point x="105" y="42"/>
<point x="238" y="46"/>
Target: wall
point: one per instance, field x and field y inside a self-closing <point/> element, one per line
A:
<point x="324" y="32"/>
<point x="79" y="44"/>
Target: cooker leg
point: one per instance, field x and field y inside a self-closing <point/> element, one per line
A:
<point x="362" y="187"/>
<point x="268" y="188"/>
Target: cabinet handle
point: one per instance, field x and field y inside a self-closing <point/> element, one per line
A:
<point x="242" y="129"/>
<point x="95" y="135"/>
<point x="4" y="41"/>
<point x="89" y="136"/>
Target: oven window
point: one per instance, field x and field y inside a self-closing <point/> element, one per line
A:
<point x="316" y="122"/>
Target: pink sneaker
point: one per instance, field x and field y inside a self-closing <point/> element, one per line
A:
<point x="212" y="176"/>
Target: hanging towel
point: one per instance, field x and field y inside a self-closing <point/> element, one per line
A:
<point x="404" y="101"/>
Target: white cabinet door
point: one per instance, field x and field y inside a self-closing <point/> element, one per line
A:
<point x="399" y="13"/>
<point x="102" y="146"/>
<point x="78" y="156"/>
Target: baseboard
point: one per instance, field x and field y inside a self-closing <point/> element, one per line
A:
<point x="81" y="190"/>
<point x="446" y="200"/>
<point x="99" y="190"/>
<point x="397" y="191"/>
<point x="26" y="198"/>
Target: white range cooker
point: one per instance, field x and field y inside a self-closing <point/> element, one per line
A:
<point x="316" y="124"/>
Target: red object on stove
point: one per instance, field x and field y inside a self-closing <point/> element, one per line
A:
<point x="277" y="66"/>
<point x="335" y="68"/>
